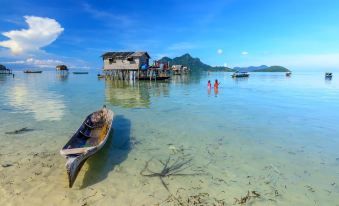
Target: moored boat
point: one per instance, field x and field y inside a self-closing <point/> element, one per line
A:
<point x="88" y="139"/>
<point x="100" y="76"/>
<point x="240" y="74"/>
<point x="328" y="74"/>
<point x="32" y="72"/>
<point x="288" y="74"/>
<point x="80" y="72"/>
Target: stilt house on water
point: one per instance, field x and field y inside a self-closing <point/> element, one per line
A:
<point x="124" y="65"/>
<point x="61" y="68"/>
<point x="129" y="66"/>
<point x="4" y="70"/>
<point x="180" y="69"/>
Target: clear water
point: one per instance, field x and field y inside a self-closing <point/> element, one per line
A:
<point x="271" y="134"/>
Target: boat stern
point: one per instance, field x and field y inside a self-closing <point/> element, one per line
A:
<point x="73" y="166"/>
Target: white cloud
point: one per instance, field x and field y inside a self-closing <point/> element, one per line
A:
<point x="244" y="53"/>
<point x="220" y="51"/>
<point x="45" y="105"/>
<point x="108" y="17"/>
<point x="40" y="33"/>
<point x="42" y="63"/>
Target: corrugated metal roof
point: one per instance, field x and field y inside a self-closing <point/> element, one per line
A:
<point x="124" y="54"/>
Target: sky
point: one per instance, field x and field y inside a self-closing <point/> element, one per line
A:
<point x="302" y="35"/>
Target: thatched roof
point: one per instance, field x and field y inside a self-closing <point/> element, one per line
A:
<point x="124" y="55"/>
<point x="139" y="54"/>
<point x="61" y="67"/>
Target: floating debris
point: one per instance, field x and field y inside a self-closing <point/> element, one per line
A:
<point x="247" y="197"/>
<point x="176" y="150"/>
<point x="6" y="165"/>
<point x="170" y="168"/>
<point x="309" y="188"/>
<point x="20" y="131"/>
<point x="134" y="141"/>
<point x="199" y="199"/>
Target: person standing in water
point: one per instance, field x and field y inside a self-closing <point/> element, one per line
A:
<point x="216" y="84"/>
<point x="209" y="85"/>
<point x="216" y="87"/>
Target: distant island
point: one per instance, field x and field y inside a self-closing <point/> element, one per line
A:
<point x="194" y="64"/>
<point x="197" y="66"/>
<point x="262" y="68"/>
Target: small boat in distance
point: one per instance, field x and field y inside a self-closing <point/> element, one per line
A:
<point x="240" y="74"/>
<point x="288" y="74"/>
<point x="80" y="72"/>
<point x="100" y="76"/>
<point x="32" y="72"/>
<point x="328" y="74"/>
<point x="87" y="140"/>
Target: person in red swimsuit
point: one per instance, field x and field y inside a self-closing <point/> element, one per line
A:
<point x="216" y="84"/>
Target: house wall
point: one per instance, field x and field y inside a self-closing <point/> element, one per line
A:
<point x="124" y="64"/>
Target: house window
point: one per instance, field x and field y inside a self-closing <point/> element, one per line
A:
<point x="111" y="61"/>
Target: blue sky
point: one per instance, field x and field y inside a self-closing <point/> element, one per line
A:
<point x="299" y="34"/>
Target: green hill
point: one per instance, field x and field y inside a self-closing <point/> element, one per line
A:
<point x="197" y="66"/>
<point x="273" y="69"/>
<point x="192" y="63"/>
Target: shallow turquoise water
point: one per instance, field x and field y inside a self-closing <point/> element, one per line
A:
<point x="276" y="135"/>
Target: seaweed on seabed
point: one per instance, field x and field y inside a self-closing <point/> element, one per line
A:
<point x="170" y="168"/>
<point x="20" y="131"/>
<point x="247" y="197"/>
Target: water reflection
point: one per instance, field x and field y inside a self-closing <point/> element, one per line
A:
<point x="45" y="105"/>
<point x="126" y="94"/>
<point x="180" y="79"/>
<point x="134" y="94"/>
<point x="62" y="76"/>
<point x="3" y="78"/>
<point x="216" y="91"/>
<point x="157" y="89"/>
<point x="240" y="79"/>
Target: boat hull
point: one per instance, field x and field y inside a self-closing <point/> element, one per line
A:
<point x="81" y="147"/>
<point x="32" y="72"/>
<point x="240" y="75"/>
<point x="73" y="166"/>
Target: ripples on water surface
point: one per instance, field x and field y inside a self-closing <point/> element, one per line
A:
<point x="271" y="134"/>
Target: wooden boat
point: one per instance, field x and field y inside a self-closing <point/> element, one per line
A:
<point x="32" y="72"/>
<point x="328" y="74"/>
<point x="288" y="74"/>
<point x="80" y="72"/>
<point x="100" y="76"/>
<point x="240" y="74"/>
<point x="88" y="139"/>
